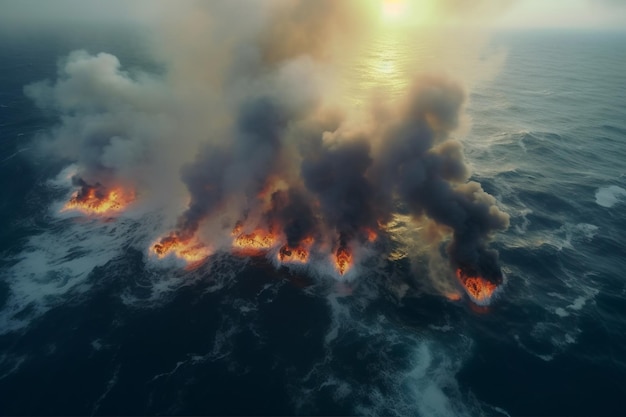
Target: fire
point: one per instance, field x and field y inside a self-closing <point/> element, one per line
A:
<point x="477" y="287"/>
<point x="289" y="254"/>
<point x="371" y="235"/>
<point x="98" y="200"/>
<point x="453" y="296"/>
<point x="343" y="260"/>
<point x="258" y="240"/>
<point x="190" y="250"/>
<point x="237" y="229"/>
<point x="299" y="254"/>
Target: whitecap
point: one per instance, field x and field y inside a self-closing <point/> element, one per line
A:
<point x="55" y="264"/>
<point x="112" y="382"/>
<point x="10" y="364"/>
<point x="569" y="235"/>
<point x="609" y="196"/>
<point x="432" y="383"/>
<point x="417" y="367"/>
<point x="46" y="273"/>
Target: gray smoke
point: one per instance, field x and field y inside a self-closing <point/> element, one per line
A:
<point x="425" y="167"/>
<point x="354" y="180"/>
<point x="243" y="120"/>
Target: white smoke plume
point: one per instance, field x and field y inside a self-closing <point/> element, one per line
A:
<point x="247" y="123"/>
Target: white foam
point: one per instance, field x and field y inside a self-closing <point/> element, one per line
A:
<point x="64" y="178"/>
<point x="421" y="381"/>
<point x="47" y="270"/>
<point x="9" y="364"/>
<point x="523" y="227"/>
<point x="112" y="381"/>
<point x="568" y="235"/>
<point x="433" y="372"/>
<point x="341" y="389"/>
<point x="14" y="154"/>
<point x="560" y="329"/>
<point x="169" y="373"/>
<point x="97" y="344"/>
<point x="610" y="196"/>
<point x="55" y="264"/>
<point x="578" y="303"/>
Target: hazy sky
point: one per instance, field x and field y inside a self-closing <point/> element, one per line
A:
<point x="566" y="13"/>
<point x="523" y="13"/>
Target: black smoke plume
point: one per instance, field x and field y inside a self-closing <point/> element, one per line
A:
<point x="425" y="167"/>
<point x="349" y="182"/>
<point x="246" y="118"/>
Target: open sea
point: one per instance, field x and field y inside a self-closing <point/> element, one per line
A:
<point x="89" y="326"/>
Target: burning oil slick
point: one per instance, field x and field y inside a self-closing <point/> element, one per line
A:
<point x="288" y="254"/>
<point x="258" y="240"/>
<point x="341" y="186"/>
<point x="343" y="260"/>
<point x="98" y="199"/>
<point x="190" y="250"/>
<point x="478" y="288"/>
<point x="253" y="131"/>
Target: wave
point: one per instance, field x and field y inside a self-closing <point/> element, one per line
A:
<point x="610" y="196"/>
<point x="403" y="370"/>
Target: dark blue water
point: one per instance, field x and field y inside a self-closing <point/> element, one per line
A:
<point x="89" y="326"/>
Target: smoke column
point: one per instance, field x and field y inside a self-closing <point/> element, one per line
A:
<point x="246" y="122"/>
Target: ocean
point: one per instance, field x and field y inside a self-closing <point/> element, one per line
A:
<point x="90" y="325"/>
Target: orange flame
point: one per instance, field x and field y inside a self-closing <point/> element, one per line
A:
<point x="477" y="287"/>
<point x="453" y="296"/>
<point x="371" y="235"/>
<point x="99" y="201"/>
<point x="343" y="260"/>
<point x="189" y="250"/>
<point x="297" y="254"/>
<point x="237" y="229"/>
<point x="258" y="240"/>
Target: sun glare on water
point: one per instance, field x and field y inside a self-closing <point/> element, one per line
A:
<point x="392" y="55"/>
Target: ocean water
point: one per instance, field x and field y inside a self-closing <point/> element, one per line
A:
<point x="90" y="325"/>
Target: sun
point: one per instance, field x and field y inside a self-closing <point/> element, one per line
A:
<point x="393" y="9"/>
<point x="407" y="12"/>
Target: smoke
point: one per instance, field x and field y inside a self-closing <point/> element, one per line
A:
<point x="118" y="127"/>
<point x="423" y="164"/>
<point x="245" y="122"/>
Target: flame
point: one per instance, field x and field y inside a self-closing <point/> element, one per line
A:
<point x="297" y="254"/>
<point x="480" y="289"/>
<point x="98" y="200"/>
<point x="258" y="240"/>
<point x="189" y="250"/>
<point x="237" y="229"/>
<point x="453" y="296"/>
<point x="371" y="234"/>
<point x="343" y="260"/>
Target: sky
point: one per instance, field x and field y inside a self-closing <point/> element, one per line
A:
<point x="598" y="14"/>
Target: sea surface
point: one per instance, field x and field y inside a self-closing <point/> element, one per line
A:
<point x="88" y="326"/>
